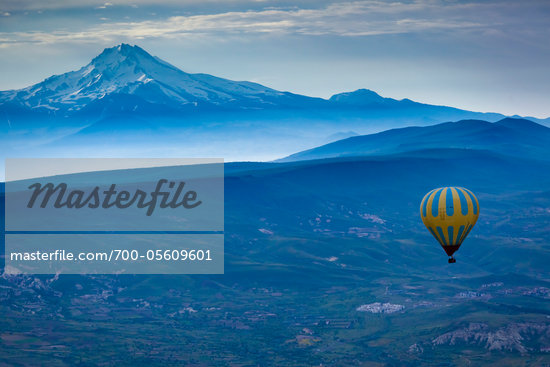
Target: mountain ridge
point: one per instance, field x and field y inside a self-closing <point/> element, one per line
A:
<point x="507" y="136"/>
<point x="126" y="100"/>
<point x="130" y="70"/>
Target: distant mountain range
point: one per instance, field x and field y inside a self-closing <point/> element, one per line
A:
<point x="146" y="81"/>
<point x="126" y="102"/>
<point x="135" y="81"/>
<point x="516" y="137"/>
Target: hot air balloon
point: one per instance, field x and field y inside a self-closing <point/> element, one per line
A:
<point x="449" y="213"/>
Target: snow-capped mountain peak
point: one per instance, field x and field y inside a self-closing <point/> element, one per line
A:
<point x="130" y="70"/>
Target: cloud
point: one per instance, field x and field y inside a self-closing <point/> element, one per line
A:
<point x="20" y="5"/>
<point x="347" y="19"/>
<point x="104" y="6"/>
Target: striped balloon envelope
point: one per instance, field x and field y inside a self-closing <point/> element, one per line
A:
<point x="449" y="213"/>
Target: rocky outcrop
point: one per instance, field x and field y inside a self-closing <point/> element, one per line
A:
<point x="512" y="337"/>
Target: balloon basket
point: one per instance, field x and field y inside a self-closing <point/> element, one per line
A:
<point x="452" y="260"/>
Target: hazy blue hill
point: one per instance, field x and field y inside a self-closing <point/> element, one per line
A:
<point x="518" y="137"/>
<point x="369" y="101"/>
<point x="367" y="97"/>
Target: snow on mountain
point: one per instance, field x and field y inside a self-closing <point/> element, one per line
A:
<point x="126" y="81"/>
<point x="126" y="69"/>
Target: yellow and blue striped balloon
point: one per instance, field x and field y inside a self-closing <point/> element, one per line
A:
<point x="449" y="213"/>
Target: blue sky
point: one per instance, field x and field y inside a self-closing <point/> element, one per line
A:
<point x="477" y="55"/>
